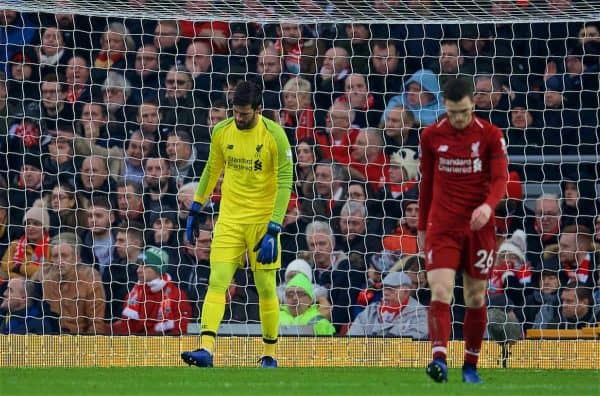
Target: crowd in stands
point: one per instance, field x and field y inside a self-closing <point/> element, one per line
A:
<point x="105" y="129"/>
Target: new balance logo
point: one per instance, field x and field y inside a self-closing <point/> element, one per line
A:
<point x="443" y="148"/>
<point x="230" y="147"/>
<point x="258" y="148"/>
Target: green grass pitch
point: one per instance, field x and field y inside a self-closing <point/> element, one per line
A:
<point x="289" y="381"/>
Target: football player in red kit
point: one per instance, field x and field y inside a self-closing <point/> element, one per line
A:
<point x="463" y="177"/>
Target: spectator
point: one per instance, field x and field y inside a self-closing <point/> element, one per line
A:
<point x="386" y="71"/>
<point x="403" y="240"/>
<point x="321" y="197"/>
<point x="401" y="181"/>
<point x="160" y="189"/>
<point x="178" y="106"/>
<point x="66" y="209"/>
<point x="576" y="310"/>
<point x="575" y="260"/>
<point x="17" y="30"/>
<point x="23" y="312"/>
<point x="168" y="43"/>
<point x="54" y="109"/>
<point x="397" y="314"/>
<point x="400" y="130"/>
<point x="73" y="290"/>
<point x="578" y="193"/>
<point x="269" y="74"/>
<point x="293" y="225"/>
<point x="297" y="115"/>
<point x="300" y="308"/>
<point x="118" y="282"/>
<point x="116" y="44"/>
<point x="365" y="105"/>
<point x="52" y="54"/>
<point x="544" y="293"/>
<point x="92" y="126"/>
<point x="181" y="152"/>
<point x="137" y="148"/>
<point x="330" y="79"/>
<point x="524" y="135"/>
<point x="94" y="179"/>
<point x="28" y="253"/>
<point x="8" y="109"/>
<point x="343" y="278"/>
<point x="98" y="240"/>
<point x="164" y="233"/>
<point x="198" y="61"/>
<point x="306" y="157"/>
<point x="510" y="274"/>
<point x="194" y="269"/>
<point x="26" y="188"/>
<point x="130" y="202"/>
<point x="368" y="160"/>
<point x="511" y="214"/>
<point x="77" y="78"/>
<point x="451" y="63"/>
<point x="149" y="120"/>
<point x="243" y="49"/>
<point x="144" y="78"/>
<point x="547" y="227"/>
<point x="560" y="107"/>
<point x="5" y="230"/>
<point x="59" y="161"/>
<point x="301" y="266"/>
<point x="116" y="94"/>
<point x="297" y="48"/>
<point x="481" y="52"/>
<point x="185" y="197"/>
<point x="422" y="96"/>
<point x="491" y="101"/>
<point x="339" y="135"/>
<point x="24" y="83"/>
<point x="414" y="267"/>
<point x="155" y="305"/>
<point x="356" y="44"/>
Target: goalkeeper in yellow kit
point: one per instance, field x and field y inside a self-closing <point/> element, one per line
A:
<point x="255" y="156"/>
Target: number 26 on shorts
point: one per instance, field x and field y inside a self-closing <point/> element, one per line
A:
<point x="486" y="260"/>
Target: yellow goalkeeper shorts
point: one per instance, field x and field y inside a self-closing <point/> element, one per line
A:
<point x="232" y="241"/>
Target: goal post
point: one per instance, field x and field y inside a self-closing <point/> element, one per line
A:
<point x="107" y="113"/>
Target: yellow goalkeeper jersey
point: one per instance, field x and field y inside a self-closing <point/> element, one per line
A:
<point x="257" y="172"/>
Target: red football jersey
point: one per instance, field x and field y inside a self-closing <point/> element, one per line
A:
<point x="460" y="170"/>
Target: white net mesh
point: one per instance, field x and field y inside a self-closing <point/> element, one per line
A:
<point x="107" y="111"/>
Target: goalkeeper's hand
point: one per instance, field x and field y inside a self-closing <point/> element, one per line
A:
<point x="268" y="246"/>
<point x="193" y="222"/>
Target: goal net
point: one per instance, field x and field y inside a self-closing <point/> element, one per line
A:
<point x="107" y="113"/>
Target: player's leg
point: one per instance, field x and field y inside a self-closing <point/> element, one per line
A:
<point x="441" y="282"/>
<point x="442" y="256"/>
<point x="475" y="281"/>
<point x="227" y="250"/>
<point x="268" y="303"/>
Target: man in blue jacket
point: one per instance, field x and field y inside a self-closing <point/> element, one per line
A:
<point x="21" y="312"/>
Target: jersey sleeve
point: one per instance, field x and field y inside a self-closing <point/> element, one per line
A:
<point x="426" y="184"/>
<point x="285" y="174"/>
<point x="214" y="166"/>
<point x="498" y="168"/>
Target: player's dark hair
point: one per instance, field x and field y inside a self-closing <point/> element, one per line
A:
<point x="457" y="88"/>
<point x="247" y="93"/>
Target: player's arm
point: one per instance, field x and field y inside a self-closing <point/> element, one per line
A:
<point x="425" y="187"/>
<point x="285" y="177"/>
<point x="498" y="161"/>
<point x="208" y="181"/>
<point x="212" y="170"/>
<point x="267" y="247"/>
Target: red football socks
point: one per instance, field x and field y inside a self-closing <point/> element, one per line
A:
<point x="474" y="328"/>
<point x="439" y="321"/>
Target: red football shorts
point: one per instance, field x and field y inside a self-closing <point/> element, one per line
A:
<point x="470" y="251"/>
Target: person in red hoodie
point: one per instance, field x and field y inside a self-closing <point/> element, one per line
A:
<point x="155" y="305"/>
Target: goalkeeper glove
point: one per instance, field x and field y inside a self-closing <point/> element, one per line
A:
<point x="193" y="222"/>
<point x="267" y="247"/>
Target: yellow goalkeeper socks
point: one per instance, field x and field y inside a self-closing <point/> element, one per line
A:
<point x="212" y="314"/>
<point x="269" y="319"/>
